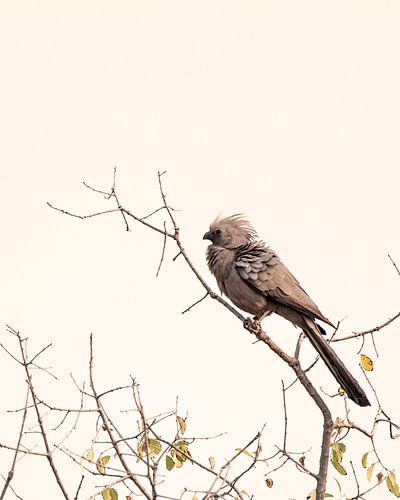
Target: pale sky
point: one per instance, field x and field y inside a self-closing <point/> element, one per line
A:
<point x="286" y="111"/>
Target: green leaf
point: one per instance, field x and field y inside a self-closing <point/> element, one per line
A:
<point x="155" y="447"/>
<point x="169" y="463"/>
<point x="341" y="447"/>
<point x="339" y="467"/>
<point x="364" y="460"/>
<point x="328" y="495"/>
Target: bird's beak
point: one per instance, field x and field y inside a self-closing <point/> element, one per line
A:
<point x="208" y="236"/>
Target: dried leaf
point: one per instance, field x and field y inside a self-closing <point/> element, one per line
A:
<point x="302" y="460"/>
<point x="169" y="463"/>
<point x="194" y="497"/>
<point x="339" y="467"/>
<point x="364" y="460"/>
<point x="379" y="477"/>
<point x="269" y="482"/>
<point x="366" y="363"/>
<point x="370" y="471"/>
<point x="182" y="424"/>
<point x="244" y="492"/>
<point x="212" y="462"/>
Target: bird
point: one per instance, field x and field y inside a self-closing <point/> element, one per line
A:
<point x="256" y="281"/>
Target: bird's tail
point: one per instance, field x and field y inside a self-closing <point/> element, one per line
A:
<point x="346" y="380"/>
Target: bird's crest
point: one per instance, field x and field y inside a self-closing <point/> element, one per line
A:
<point x="237" y="223"/>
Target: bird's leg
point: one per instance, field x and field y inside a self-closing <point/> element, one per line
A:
<point x="254" y="324"/>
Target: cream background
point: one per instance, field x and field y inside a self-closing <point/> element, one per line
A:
<point x="287" y="111"/>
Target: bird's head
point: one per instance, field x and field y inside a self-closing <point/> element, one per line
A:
<point x="230" y="232"/>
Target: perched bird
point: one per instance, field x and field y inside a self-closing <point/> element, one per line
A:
<point x="253" y="277"/>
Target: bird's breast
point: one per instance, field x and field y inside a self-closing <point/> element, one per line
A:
<point x="243" y="296"/>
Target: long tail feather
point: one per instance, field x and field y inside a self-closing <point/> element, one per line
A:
<point x="347" y="382"/>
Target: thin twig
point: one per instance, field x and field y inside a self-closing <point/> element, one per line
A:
<point x="12" y="469"/>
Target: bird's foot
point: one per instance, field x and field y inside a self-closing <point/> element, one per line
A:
<point x="252" y="324"/>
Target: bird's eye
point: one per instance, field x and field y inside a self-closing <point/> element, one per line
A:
<point x="218" y="232"/>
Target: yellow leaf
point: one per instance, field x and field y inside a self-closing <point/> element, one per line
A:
<point x="106" y="494"/>
<point x="341" y="447"/>
<point x="393" y="487"/>
<point x="245" y="452"/>
<point x="212" y="462"/>
<point x="312" y="495"/>
<point x="269" y="482"/>
<point x="109" y="494"/>
<point x="194" y="497"/>
<point x="182" y="424"/>
<point x="90" y="454"/>
<point x="100" y="462"/>
<point x="244" y="492"/>
<point x="178" y="463"/>
<point x="366" y="363"/>
<point x="341" y="392"/>
<point x="369" y="471"/>
<point x="364" y="460"/>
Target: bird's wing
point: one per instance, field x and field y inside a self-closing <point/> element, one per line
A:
<point x="262" y="269"/>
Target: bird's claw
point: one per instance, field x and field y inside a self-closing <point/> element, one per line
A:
<point x="252" y="324"/>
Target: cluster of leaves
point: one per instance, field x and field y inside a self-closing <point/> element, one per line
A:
<point x="391" y="481"/>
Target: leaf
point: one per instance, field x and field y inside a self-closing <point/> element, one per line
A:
<point x="90" y="454"/>
<point x="100" y="462"/>
<point x="155" y="447"/>
<point x="245" y="452"/>
<point x="212" y="462"/>
<point x="302" y="460"/>
<point x="339" y="467"/>
<point x="336" y="455"/>
<point x="392" y="485"/>
<point x="244" y="492"/>
<point x="366" y="363"/>
<point x="312" y="495"/>
<point x="328" y="495"/>
<point x="364" y="460"/>
<point x="379" y="477"/>
<point x="194" y="497"/>
<point x="269" y="482"/>
<point x="169" y="462"/>
<point x="341" y="447"/>
<point x="109" y="494"/>
<point x="182" y="424"/>
<point x="370" y="471"/>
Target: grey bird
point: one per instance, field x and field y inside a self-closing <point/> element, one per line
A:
<point x="253" y="277"/>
